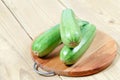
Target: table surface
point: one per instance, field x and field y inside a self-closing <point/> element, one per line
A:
<point x="22" y="20"/>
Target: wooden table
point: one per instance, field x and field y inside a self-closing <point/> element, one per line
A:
<point x="22" y="20"/>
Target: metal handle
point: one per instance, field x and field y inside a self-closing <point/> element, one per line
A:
<point x="47" y="74"/>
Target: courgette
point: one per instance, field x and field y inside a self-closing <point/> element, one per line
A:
<point x="69" y="29"/>
<point x="46" y="42"/>
<point x="70" y="55"/>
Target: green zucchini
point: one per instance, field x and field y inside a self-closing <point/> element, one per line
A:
<point x="70" y="55"/>
<point x="69" y="29"/>
<point x="49" y="40"/>
<point x="46" y="42"/>
<point x="82" y="23"/>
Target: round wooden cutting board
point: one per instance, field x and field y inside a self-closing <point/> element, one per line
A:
<point x="99" y="55"/>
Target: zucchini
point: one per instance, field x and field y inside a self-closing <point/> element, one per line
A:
<point x="82" y="23"/>
<point x="46" y="42"/>
<point x="69" y="29"/>
<point x="70" y="55"/>
<point x="49" y="40"/>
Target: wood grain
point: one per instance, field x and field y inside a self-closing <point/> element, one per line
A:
<point x="100" y="55"/>
<point x="35" y="16"/>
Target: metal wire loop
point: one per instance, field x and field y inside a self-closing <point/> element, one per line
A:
<point x="47" y="74"/>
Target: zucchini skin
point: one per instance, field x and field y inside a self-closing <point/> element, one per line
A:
<point x="70" y="55"/>
<point x="45" y="43"/>
<point x="82" y="23"/>
<point x="69" y="29"/>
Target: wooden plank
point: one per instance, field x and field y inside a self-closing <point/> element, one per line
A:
<point x="32" y="17"/>
<point x="15" y="59"/>
<point x="35" y="16"/>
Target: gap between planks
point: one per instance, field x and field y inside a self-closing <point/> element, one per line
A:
<point x="16" y="19"/>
